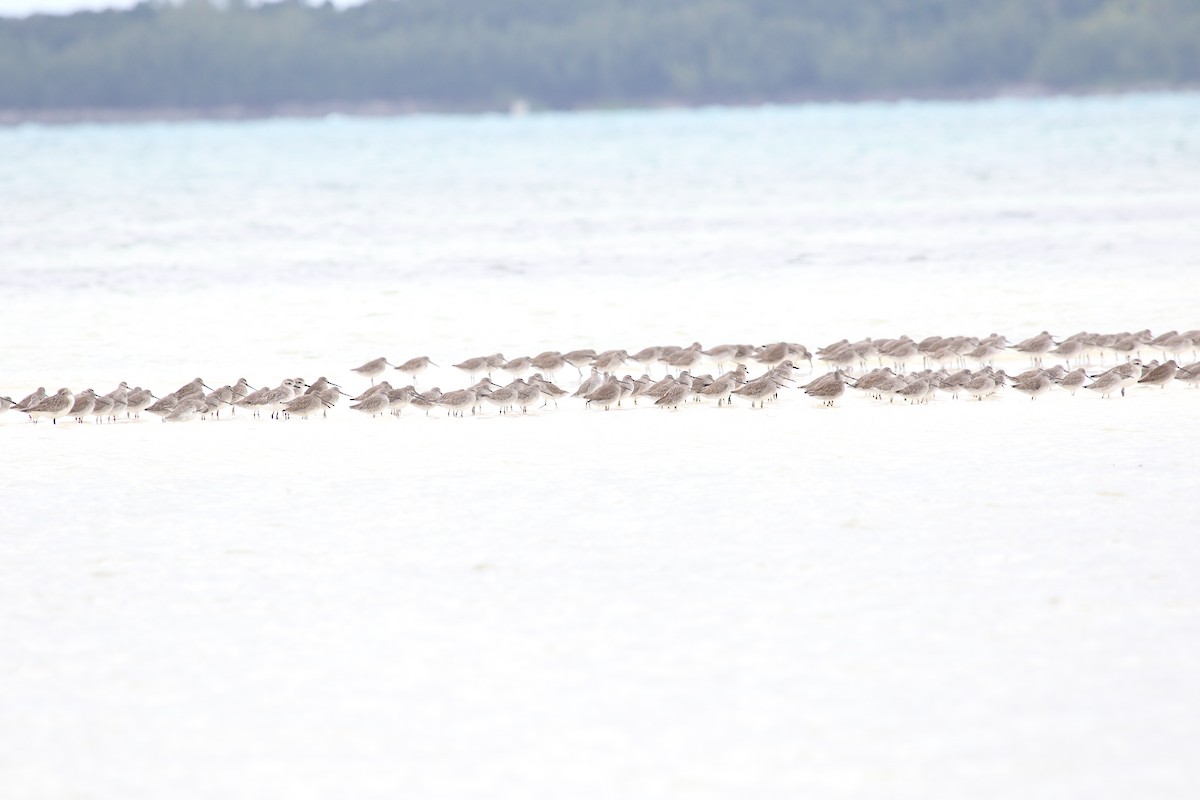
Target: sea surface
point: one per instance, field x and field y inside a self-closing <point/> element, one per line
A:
<point x="958" y="599"/>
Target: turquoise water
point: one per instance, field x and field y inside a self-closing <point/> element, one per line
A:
<point x="1011" y="186"/>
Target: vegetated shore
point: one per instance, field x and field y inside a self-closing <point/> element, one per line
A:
<point x="519" y="106"/>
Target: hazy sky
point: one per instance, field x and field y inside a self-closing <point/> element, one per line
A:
<point x="21" y="8"/>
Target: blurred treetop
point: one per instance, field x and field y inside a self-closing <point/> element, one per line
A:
<point x="474" y="54"/>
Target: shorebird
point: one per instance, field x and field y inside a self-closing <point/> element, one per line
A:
<point x="192" y="387"/>
<point x="305" y="405"/>
<point x="640" y="385"/>
<point x="138" y="401"/>
<point x="474" y="366"/>
<point x="796" y="351"/>
<point x="609" y="360"/>
<point x="101" y="409"/>
<point x="84" y="404"/>
<point x="981" y="385"/>
<point x="517" y="366"/>
<point x="1035" y="346"/>
<point x="31" y="399"/>
<point x="722" y="388"/>
<point x="660" y="387"/>
<point x="1068" y="349"/>
<point x="1177" y="344"/>
<point x="1106" y="384"/>
<point x="953" y="382"/>
<point x="1073" y="380"/>
<point x="1189" y="373"/>
<point x="503" y="398"/>
<point x="399" y="399"/>
<point x="120" y="398"/>
<point x="382" y="386"/>
<point x="606" y="394"/>
<point x="898" y="350"/>
<point x="577" y="358"/>
<point x="674" y="395"/>
<point x="1160" y="375"/>
<point x="984" y="352"/>
<point x="120" y="404"/>
<point x="54" y="406"/>
<point x="426" y="400"/>
<point x="415" y="366"/>
<point x="828" y="390"/>
<point x="457" y="402"/>
<point x="374" y="404"/>
<point x="758" y="390"/>
<point x="839" y="357"/>
<point x="772" y="355"/>
<point x="528" y="395"/>
<point x="241" y="391"/>
<point x="212" y="405"/>
<point x="319" y="385"/>
<point x="915" y="392"/>
<point x="547" y="388"/>
<point x="276" y="398"/>
<point x="1034" y="385"/>
<point x="220" y="397"/>
<point x="330" y="396"/>
<point x="252" y="401"/>
<point x="1130" y="372"/>
<point x="6" y="403"/>
<point x="186" y="409"/>
<point x="647" y="356"/>
<point x="372" y="368"/>
<point x="163" y="406"/>
<point x="550" y="362"/>
<point x="590" y="385"/>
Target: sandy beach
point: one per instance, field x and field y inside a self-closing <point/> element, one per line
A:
<point x="958" y="598"/>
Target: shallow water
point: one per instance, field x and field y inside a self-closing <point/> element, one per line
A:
<point x="959" y="598"/>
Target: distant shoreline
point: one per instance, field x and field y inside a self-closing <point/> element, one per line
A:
<point x="85" y="115"/>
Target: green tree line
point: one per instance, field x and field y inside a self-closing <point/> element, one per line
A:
<point x="569" y="53"/>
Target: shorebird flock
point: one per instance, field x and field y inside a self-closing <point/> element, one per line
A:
<point x="878" y="368"/>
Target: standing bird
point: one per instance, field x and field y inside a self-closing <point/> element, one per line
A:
<point x="1036" y="346"/>
<point x="305" y="405"/>
<point x="474" y="366"/>
<point x="550" y="362"/>
<point x="374" y="405"/>
<point x="31" y="399"/>
<point x="1072" y="380"/>
<point x="827" y="389"/>
<point x="54" y="406"/>
<point x="759" y="389"/>
<point x="1106" y="384"/>
<point x="373" y="368"/>
<point x="415" y="366"/>
<point x="606" y="394"/>
<point x="1189" y="373"/>
<point x="187" y="409"/>
<point x="85" y="402"/>
<point x="1034" y="385"/>
<point x="577" y="358"/>
<point x="138" y="401"/>
<point x="103" y="407"/>
<point x="192" y="388"/>
<point x="1160" y="375"/>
